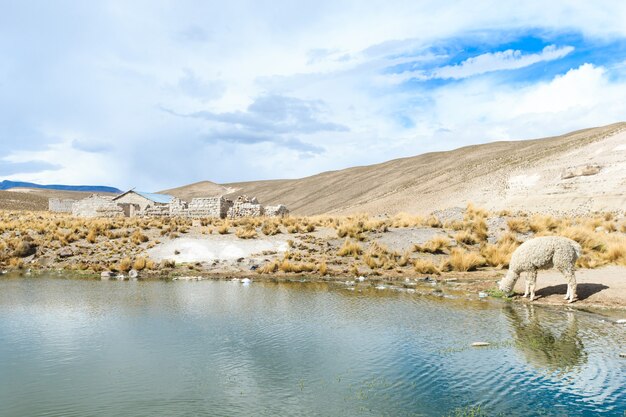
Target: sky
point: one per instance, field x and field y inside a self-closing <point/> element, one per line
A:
<point x="157" y="94"/>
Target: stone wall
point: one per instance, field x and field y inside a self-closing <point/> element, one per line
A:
<point x="208" y="207"/>
<point x="60" y="205"/>
<point x="177" y="208"/>
<point x="244" y="209"/>
<point x="161" y="210"/>
<point x="96" y="206"/>
<point x="134" y="198"/>
<point x="216" y="207"/>
<point x="276" y="211"/>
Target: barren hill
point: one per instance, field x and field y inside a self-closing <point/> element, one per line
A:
<point x="22" y="198"/>
<point x="576" y="172"/>
<point x="198" y="189"/>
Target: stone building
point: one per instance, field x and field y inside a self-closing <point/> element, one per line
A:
<point x="135" y="203"/>
<point x="97" y="206"/>
<point x="279" y="210"/>
<point x="245" y="207"/>
<point x="59" y="205"/>
<point x="216" y="207"/>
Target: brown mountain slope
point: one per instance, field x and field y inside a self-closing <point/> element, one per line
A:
<point x="529" y="174"/>
<point x="198" y="189"/>
<point x="36" y="198"/>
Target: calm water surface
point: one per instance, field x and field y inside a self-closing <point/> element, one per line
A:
<point x="92" y="348"/>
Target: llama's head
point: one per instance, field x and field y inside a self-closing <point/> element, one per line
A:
<point x="508" y="282"/>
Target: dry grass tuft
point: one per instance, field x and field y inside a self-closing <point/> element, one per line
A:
<point x="248" y="232"/>
<point x="438" y="244"/>
<point x="423" y="266"/>
<point x="350" y="248"/>
<point x="124" y="265"/>
<point x="466" y="237"/>
<point x="140" y="264"/>
<point x="224" y="228"/>
<point x="463" y="261"/>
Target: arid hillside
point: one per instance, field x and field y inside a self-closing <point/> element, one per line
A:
<point x="580" y="171"/>
<point x="36" y="198"/>
<point x="198" y="189"/>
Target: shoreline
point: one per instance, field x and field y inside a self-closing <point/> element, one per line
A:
<point x="471" y="286"/>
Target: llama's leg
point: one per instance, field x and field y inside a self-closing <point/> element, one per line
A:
<point x="532" y="278"/>
<point x="571" y="285"/>
<point x="527" y="290"/>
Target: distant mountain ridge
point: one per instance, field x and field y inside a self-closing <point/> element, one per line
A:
<point x="578" y="172"/>
<point x="7" y="185"/>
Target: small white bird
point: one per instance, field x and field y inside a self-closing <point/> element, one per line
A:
<point x="246" y="281"/>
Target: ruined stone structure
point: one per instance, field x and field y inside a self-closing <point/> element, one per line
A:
<point x="135" y="203"/>
<point x="245" y="207"/>
<point x="276" y="211"/>
<point x="60" y="205"/>
<point x="97" y="206"/>
<point x="209" y="207"/>
<point x="142" y="201"/>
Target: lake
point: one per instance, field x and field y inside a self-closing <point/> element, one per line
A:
<point x="77" y="347"/>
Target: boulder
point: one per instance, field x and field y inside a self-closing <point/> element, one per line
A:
<point x="65" y="252"/>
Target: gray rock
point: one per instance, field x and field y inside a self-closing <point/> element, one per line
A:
<point x="133" y="273"/>
<point x="65" y="252"/>
<point x="106" y="275"/>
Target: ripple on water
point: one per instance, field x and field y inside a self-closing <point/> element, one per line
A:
<point x="72" y="347"/>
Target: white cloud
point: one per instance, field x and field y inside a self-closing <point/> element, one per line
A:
<point x="497" y="61"/>
<point x="60" y="73"/>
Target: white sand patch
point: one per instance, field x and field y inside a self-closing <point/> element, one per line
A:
<point x="520" y="182"/>
<point x="620" y="148"/>
<point x="215" y="247"/>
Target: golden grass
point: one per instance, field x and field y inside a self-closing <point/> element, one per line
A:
<point x="463" y="261"/>
<point x="248" y="232"/>
<point x="465" y="236"/>
<point x="140" y="264"/>
<point x="224" y="228"/>
<point x="498" y="255"/>
<point x="322" y="268"/>
<point x="519" y="225"/>
<point x="438" y="244"/>
<point x="124" y="265"/>
<point x="296" y="267"/>
<point x="350" y="248"/>
<point x="269" y="267"/>
<point x="423" y="266"/>
<point x="270" y="228"/>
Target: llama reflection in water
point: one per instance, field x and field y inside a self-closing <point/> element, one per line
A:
<point x="547" y="343"/>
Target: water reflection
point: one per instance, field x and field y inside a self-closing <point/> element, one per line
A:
<point x="547" y="340"/>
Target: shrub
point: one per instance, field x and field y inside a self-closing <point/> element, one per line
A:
<point x="323" y="268"/>
<point x="463" y="261"/>
<point x="124" y="265"/>
<point x="519" y="225"/>
<point x="139" y="264"/>
<point x="423" y="266"/>
<point x="247" y="232"/>
<point x="270" y="228"/>
<point x="223" y="229"/>
<point x="465" y="237"/>
<point x="268" y="268"/>
<point x="24" y="249"/>
<point x="498" y="255"/>
<point x="437" y="244"/>
<point x="138" y="238"/>
<point x="350" y="248"/>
